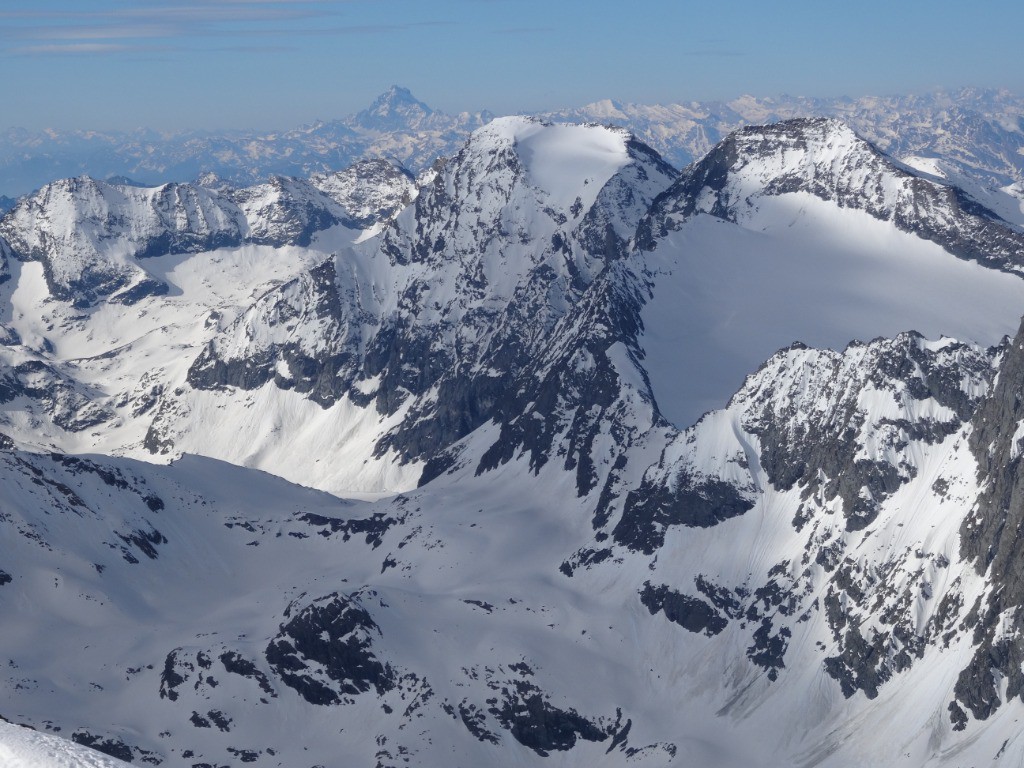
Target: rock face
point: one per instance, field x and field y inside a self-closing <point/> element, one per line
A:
<point x="839" y="445"/>
<point x="6" y="255"/>
<point x="286" y="211"/>
<point x="371" y="191"/>
<point x="839" y="435"/>
<point x="990" y="541"/>
<point x="690" y="613"/>
<point x="34" y="384"/>
<point x="481" y="271"/>
<point x="264" y="344"/>
<point x="325" y="651"/>
<point x="497" y="215"/>
<point x="88" y="234"/>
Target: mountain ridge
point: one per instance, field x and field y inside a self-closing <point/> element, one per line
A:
<point x="493" y="361"/>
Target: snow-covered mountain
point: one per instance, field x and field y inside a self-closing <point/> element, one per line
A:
<point x="804" y="231"/>
<point x="90" y="235"/>
<point x="580" y="498"/>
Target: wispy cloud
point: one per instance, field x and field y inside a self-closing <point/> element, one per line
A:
<point x="78" y="49"/>
<point x="218" y="10"/>
<point x="180" y="26"/>
<point x="523" y="30"/>
<point x="106" y="32"/>
<point x="713" y="53"/>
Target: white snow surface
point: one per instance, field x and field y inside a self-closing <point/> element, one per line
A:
<point x="25" y="748"/>
<point x="569" y="162"/>
<point x="797" y="268"/>
<point x="495" y="542"/>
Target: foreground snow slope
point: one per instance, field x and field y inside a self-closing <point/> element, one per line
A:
<point x="24" y="748"/>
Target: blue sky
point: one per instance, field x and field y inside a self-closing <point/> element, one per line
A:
<point x="267" y="64"/>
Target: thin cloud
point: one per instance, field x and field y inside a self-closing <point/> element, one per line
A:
<point x="178" y="36"/>
<point x="258" y="49"/>
<point x="105" y="31"/>
<point x="171" y="20"/>
<point x="192" y="14"/>
<point x="69" y="32"/>
<point x="378" y="28"/>
<point x="79" y="49"/>
<point x="244" y="10"/>
<point x="713" y="53"/>
<point x="177" y="26"/>
<point x="279" y="2"/>
<point x="523" y="30"/>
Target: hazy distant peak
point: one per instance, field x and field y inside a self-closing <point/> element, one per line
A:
<point x="394" y="108"/>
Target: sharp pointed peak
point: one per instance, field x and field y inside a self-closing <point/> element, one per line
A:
<point x="398" y="95"/>
<point x="395" y="108"/>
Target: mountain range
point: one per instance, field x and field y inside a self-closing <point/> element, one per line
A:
<point x="554" y="454"/>
<point x="973" y="135"/>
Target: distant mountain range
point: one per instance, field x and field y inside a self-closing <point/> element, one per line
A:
<point x="396" y="126"/>
<point x="979" y="134"/>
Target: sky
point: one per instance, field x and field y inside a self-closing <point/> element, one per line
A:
<point x="268" y="64"/>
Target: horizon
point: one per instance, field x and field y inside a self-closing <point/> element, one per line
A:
<point x="151" y="156"/>
<point x="950" y="91"/>
<point x="268" y="65"/>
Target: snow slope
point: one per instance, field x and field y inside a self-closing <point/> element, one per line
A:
<point x="727" y="295"/>
<point x="24" y="748"/>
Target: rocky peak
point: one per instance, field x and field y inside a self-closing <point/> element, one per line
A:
<point x="370" y="191"/>
<point x="469" y="284"/>
<point x="519" y="180"/>
<point x="823" y="157"/>
<point x="512" y="233"/>
<point x="838" y="425"/>
<point x="286" y="211"/>
<point x="88" y="233"/>
<point x="213" y="181"/>
<point x="394" y="109"/>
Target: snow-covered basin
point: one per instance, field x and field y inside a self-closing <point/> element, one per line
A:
<point x="727" y="296"/>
